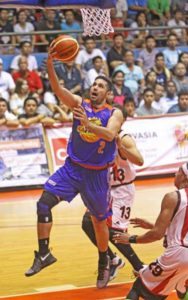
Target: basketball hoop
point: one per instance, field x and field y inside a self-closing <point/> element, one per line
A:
<point x="96" y="21"/>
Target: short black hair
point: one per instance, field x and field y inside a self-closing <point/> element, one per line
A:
<point x="150" y="37"/>
<point x="148" y="90"/>
<point x="30" y="98"/>
<point x="107" y="80"/>
<point x="183" y="92"/>
<point x="118" y="34"/>
<point x="160" y="54"/>
<point x="22" y="43"/>
<point x="128" y="100"/>
<point x="95" y="58"/>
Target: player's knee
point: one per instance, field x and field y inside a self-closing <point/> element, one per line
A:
<point x="46" y="202"/>
<point x="86" y="221"/>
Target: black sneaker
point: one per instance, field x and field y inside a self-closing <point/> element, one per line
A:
<point x="40" y="262"/>
<point x="115" y="264"/>
<point x="103" y="274"/>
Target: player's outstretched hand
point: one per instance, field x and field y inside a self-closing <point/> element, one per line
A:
<point x="121" y="238"/>
<point x="138" y="222"/>
<point x="80" y="114"/>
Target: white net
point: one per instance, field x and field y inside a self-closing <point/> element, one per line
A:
<point x="96" y="21"/>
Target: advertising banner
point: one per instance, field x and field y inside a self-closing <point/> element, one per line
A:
<point x="23" y="160"/>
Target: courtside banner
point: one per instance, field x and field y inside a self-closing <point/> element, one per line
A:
<point x="163" y="142"/>
<point x="58" y="139"/>
<point x="23" y="160"/>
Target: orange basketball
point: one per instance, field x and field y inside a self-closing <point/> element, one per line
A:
<point x="64" y="48"/>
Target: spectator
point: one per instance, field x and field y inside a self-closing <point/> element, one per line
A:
<point x="48" y="24"/>
<point x="147" y="108"/>
<point x="17" y="99"/>
<point x="136" y="6"/>
<point x="130" y="108"/>
<point x="32" y="77"/>
<point x="116" y="52"/>
<point x="116" y="22"/>
<point x="180" y="78"/>
<point x="50" y="99"/>
<point x="63" y="113"/>
<point x="98" y="69"/>
<point x="170" y="97"/>
<point x="137" y="36"/>
<point x="84" y="58"/>
<point x="134" y="77"/>
<point x="6" y="26"/>
<point x="159" y="92"/>
<point x="183" y="57"/>
<point x="182" y="105"/>
<point x="163" y="74"/>
<point x="6" y="118"/>
<point x="178" y="21"/>
<point x="171" y="54"/>
<point x="7" y="85"/>
<point x="120" y="91"/>
<point x="160" y="34"/>
<point x="121" y="9"/>
<point x="151" y="79"/>
<point x="71" y="24"/>
<point x="22" y="26"/>
<point x="146" y="56"/>
<point x="160" y="8"/>
<point x="25" y="50"/>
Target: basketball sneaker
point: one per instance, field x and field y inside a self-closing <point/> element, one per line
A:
<point x="40" y="262"/>
<point x="103" y="274"/>
<point x="115" y="264"/>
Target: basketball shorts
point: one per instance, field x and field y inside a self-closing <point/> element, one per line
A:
<point x="169" y="272"/>
<point x="93" y="186"/>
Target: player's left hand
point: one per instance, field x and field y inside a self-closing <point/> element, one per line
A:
<point x="121" y="238"/>
<point x="80" y="114"/>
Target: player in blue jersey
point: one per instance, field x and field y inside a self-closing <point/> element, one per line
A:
<point x="91" y="151"/>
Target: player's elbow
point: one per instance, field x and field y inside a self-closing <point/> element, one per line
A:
<point x="140" y="161"/>
<point x="158" y="235"/>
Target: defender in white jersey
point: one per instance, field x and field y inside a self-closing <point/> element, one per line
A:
<point x="170" y="270"/>
<point x="122" y="196"/>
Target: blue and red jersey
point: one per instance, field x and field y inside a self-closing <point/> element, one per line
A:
<point x="85" y="147"/>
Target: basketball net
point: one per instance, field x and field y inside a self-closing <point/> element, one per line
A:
<point x="96" y="21"/>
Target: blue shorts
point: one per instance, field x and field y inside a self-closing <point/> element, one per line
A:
<point x="93" y="186"/>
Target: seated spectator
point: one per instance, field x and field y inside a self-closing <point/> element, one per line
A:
<point x="183" y="57"/>
<point x="180" y="78"/>
<point x="158" y="95"/>
<point x="17" y="99"/>
<point x="178" y="21"/>
<point x="134" y="77"/>
<point x="120" y="91"/>
<point x="171" y="54"/>
<point x="25" y="50"/>
<point x="69" y="23"/>
<point x="135" y="7"/>
<point x="48" y="24"/>
<point x="32" y="77"/>
<point x="63" y="113"/>
<point x="163" y="74"/>
<point x="98" y="69"/>
<point x="84" y="58"/>
<point x="50" y="99"/>
<point x="146" y="58"/>
<point x="6" y="26"/>
<point x="147" y="109"/>
<point x="22" y="26"/>
<point x="130" y="108"/>
<point x="160" y="8"/>
<point x="160" y="34"/>
<point x="6" y="118"/>
<point x="117" y="22"/>
<point x="138" y="36"/>
<point x="182" y="105"/>
<point x="116" y="53"/>
<point x="121" y="9"/>
<point x="151" y="79"/>
<point x="170" y="98"/>
<point x="7" y="85"/>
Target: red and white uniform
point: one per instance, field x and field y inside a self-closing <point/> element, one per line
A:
<point x="170" y="271"/>
<point x="122" y="176"/>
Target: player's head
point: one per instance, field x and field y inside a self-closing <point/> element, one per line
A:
<point x="181" y="177"/>
<point x="100" y="90"/>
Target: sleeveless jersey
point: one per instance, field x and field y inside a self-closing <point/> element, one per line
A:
<point x="177" y="232"/>
<point x="87" y="148"/>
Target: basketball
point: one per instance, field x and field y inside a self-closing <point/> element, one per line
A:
<point x="64" y="48"/>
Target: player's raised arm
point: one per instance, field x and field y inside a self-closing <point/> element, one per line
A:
<point x="63" y="94"/>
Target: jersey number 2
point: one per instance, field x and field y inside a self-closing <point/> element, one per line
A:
<point x="102" y="145"/>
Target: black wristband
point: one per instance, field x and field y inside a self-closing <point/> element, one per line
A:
<point x="132" y="239"/>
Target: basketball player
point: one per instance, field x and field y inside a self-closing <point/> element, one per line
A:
<point x="122" y="196"/>
<point x="91" y="151"/>
<point x="170" y="270"/>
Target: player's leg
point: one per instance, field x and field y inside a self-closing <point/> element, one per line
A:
<point x="58" y="186"/>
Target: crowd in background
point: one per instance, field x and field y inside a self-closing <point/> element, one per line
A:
<point x="153" y="82"/>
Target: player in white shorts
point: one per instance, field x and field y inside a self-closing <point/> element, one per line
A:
<point x="122" y="177"/>
<point x="170" y="270"/>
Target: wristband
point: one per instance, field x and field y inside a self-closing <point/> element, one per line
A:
<point x="132" y="239"/>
